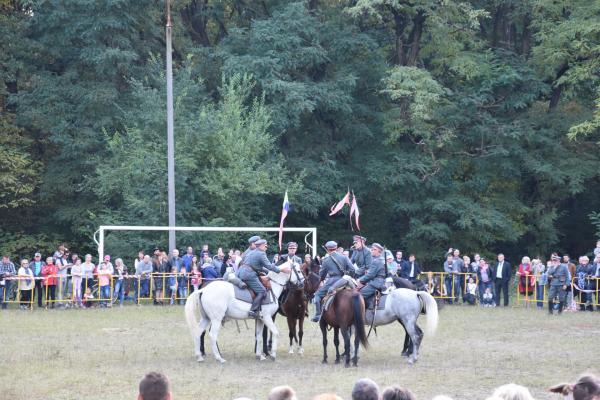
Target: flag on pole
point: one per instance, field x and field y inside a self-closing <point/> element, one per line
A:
<point x="339" y="205"/>
<point x="284" y="213"/>
<point x="354" y="210"/>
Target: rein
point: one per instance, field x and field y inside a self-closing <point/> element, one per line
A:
<point x="373" y="319"/>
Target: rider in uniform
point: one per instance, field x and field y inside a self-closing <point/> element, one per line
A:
<point x="251" y="246"/>
<point x="361" y="256"/>
<point x="334" y="266"/>
<point x="559" y="275"/>
<point x="256" y="261"/>
<point x="374" y="278"/>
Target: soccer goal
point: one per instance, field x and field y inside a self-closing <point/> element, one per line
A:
<point x="310" y="237"/>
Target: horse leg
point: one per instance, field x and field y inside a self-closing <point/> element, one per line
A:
<point x="270" y="347"/>
<point x="356" y="346"/>
<point x="199" y="340"/>
<point x="265" y="341"/>
<point x="414" y="337"/>
<point x="300" y="333"/>
<point x="292" y="332"/>
<point x="407" y="349"/>
<point x="323" y="327"/>
<point x="336" y="343"/>
<point x="346" y="336"/>
<point x="215" y="326"/>
<point x="274" y="334"/>
<point x="259" y="336"/>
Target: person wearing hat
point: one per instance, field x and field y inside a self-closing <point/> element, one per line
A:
<point x="292" y="247"/>
<point x="251" y="246"/>
<point x="374" y="278"/>
<point x="334" y="266"/>
<point x="560" y="278"/>
<point x="361" y="256"/>
<point x="256" y="261"/>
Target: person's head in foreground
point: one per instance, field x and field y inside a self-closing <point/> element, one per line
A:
<point x="512" y="392"/>
<point x="587" y="387"/>
<point x="282" y="393"/>
<point x="365" y="389"/>
<point x="397" y="393"/>
<point x="154" y="386"/>
<point x="327" y="396"/>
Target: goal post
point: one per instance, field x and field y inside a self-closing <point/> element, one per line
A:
<point x="100" y="233"/>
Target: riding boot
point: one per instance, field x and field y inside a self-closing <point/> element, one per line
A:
<point x="317" y="316"/>
<point x="560" y="307"/>
<point x="255" y="308"/>
<point x="550" y="306"/>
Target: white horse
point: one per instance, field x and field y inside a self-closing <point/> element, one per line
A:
<point x="404" y="306"/>
<point x="216" y="303"/>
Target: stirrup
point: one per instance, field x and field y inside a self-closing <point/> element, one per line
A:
<point x="254" y="314"/>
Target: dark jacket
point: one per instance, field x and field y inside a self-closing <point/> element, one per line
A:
<point x="506" y="271"/>
<point x="405" y="271"/>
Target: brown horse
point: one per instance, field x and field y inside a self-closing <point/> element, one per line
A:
<point x="347" y="309"/>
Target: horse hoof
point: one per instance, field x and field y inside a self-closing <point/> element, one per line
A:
<point x="337" y="361"/>
<point x="261" y="357"/>
<point x="324" y="362"/>
<point x="273" y="357"/>
<point x="200" y="359"/>
<point x="347" y="365"/>
<point x="222" y="361"/>
<point x="411" y="361"/>
<point x="291" y="351"/>
<point x="301" y="351"/>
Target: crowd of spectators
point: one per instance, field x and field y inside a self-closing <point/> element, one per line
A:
<point x="66" y="280"/>
<point x="156" y="386"/>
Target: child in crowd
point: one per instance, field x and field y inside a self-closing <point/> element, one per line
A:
<point x="196" y="277"/>
<point x="76" y="274"/>
<point x="172" y="281"/>
<point x="104" y="276"/>
<point x="488" y="298"/>
<point x="471" y="294"/>
<point x="182" y="285"/>
<point x="209" y="273"/>
<point x="88" y="297"/>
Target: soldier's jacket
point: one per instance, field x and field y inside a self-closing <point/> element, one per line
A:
<point x="329" y="268"/>
<point x="560" y="275"/>
<point x="284" y="258"/>
<point x="362" y="258"/>
<point x="244" y="254"/>
<point x="258" y="261"/>
<point x="375" y="275"/>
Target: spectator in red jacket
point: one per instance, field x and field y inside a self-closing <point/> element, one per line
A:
<point x="49" y="272"/>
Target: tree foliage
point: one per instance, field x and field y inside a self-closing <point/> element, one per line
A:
<point x="466" y="123"/>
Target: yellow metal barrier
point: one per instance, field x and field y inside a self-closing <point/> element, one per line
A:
<point x="577" y="299"/>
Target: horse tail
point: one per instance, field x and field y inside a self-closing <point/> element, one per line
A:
<point x="359" y="320"/>
<point x="193" y="308"/>
<point x="431" y="311"/>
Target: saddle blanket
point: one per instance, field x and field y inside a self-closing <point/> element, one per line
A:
<point x="381" y="305"/>
<point x="245" y="296"/>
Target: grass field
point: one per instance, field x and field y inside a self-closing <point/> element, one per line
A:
<point x="102" y="354"/>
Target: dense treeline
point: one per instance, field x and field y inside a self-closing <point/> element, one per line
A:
<point x="471" y="123"/>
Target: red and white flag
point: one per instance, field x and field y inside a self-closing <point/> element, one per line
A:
<point x="354" y="210"/>
<point x="340" y="204"/>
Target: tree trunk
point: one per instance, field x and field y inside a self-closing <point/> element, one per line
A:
<point x="399" y="26"/>
<point x="415" y="38"/>
<point x="557" y="91"/>
<point x="193" y="15"/>
<point x="526" y="39"/>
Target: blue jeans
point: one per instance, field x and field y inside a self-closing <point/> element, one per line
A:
<point x="539" y="295"/>
<point x="4" y="294"/>
<point x="145" y="288"/>
<point x="104" y="294"/>
<point x="183" y="294"/>
<point x="448" y="281"/>
<point x="119" y="291"/>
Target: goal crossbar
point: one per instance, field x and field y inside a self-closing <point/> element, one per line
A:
<point x="100" y="233"/>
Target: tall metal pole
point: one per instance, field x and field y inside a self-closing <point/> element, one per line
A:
<point x="170" y="140"/>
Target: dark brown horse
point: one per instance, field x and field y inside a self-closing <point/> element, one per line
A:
<point x="346" y="310"/>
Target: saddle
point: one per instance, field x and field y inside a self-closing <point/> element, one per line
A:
<point x="380" y="298"/>
<point x="266" y="282"/>
<point x="247" y="295"/>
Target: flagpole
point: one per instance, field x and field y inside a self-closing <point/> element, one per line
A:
<point x="170" y="139"/>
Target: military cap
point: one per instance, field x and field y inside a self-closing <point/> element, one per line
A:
<point x="377" y="246"/>
<point x="331" y="245"/>
<point x="292" y="244"/>
<point x="260" y="242"/>
<point x="358" y="237"/>
<point x="253" y="239"/>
